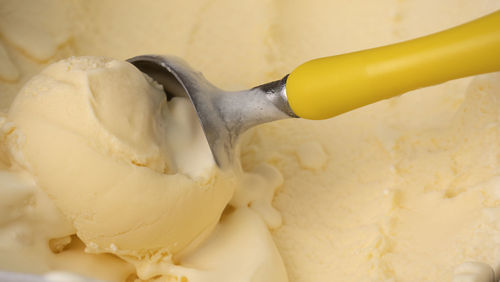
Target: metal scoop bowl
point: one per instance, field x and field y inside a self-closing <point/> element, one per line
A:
<point x="224" y="115"/>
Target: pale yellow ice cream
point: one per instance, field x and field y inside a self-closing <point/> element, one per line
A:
<point x="402" y="190"/>
<point x="108" y="133"/>
<point x="135" y="176"/>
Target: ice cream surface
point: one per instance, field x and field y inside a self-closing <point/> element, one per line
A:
<point x="119" y="146"/>
<point x="106" y="129"/>
<point x="402" y="190"/>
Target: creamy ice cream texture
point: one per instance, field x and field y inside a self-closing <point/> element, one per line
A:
<point x="405" y="189"/>
<point x="105" y="129"/>
<point x="136" y="177"/>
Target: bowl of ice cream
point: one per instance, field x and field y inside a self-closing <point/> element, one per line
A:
<point x="102" y="177"/>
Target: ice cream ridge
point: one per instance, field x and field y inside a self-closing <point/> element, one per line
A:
<point x="103" y="178"/>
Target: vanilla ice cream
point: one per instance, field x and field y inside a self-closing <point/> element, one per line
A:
<point x="102" y="177"/>
<point x="136" y="177"/>
<point x="106" y="130"/>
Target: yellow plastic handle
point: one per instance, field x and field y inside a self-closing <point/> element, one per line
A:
<point x="326" y="87"/>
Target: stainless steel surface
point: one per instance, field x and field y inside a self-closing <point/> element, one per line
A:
<point x="21" y="277"/>
<point x="6" y="276"/>
<point x="224" y="115"/>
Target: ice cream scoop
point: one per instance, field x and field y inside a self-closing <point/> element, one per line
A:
<point x="326" y="87"/>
